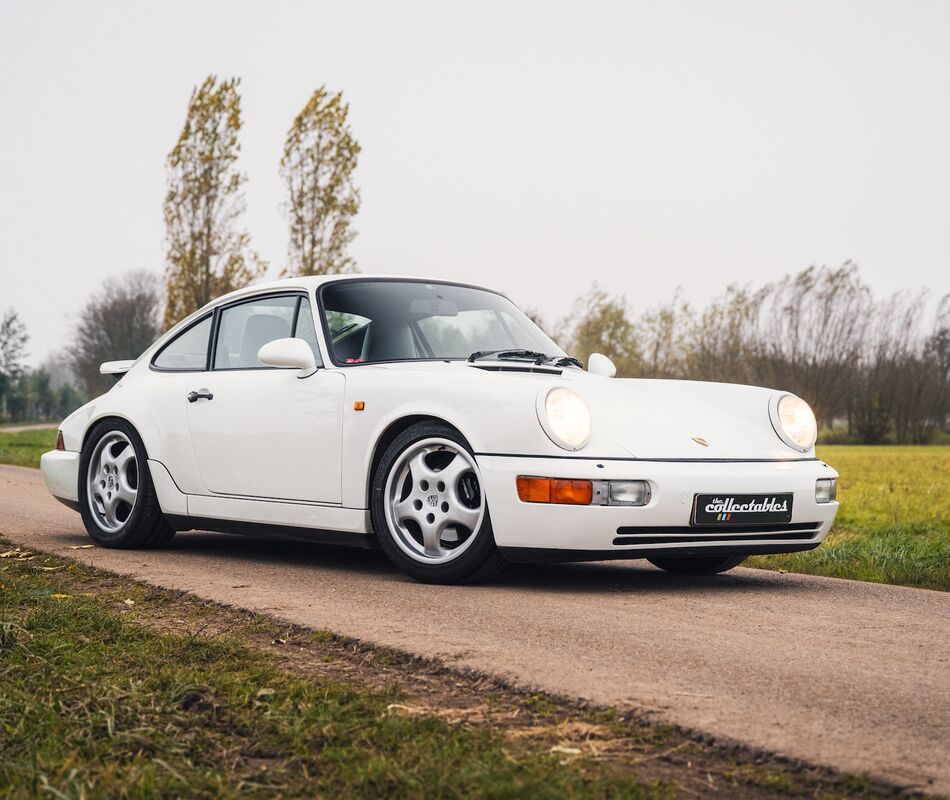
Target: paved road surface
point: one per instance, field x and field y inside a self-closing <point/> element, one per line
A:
<point x="33" y="426"/>
<point x="850" y="675"/>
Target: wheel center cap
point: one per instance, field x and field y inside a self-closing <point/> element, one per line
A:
<point x="111" y="481"/>
<point x="433" y="500"/>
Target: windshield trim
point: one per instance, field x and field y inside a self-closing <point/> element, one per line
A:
<point x="326" y="328"/>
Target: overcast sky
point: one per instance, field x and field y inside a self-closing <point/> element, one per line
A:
<point x="534" y="147"/>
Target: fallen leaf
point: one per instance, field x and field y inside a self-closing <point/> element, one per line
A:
<point x="129" y="602"/>
<point x="60" y="596"/>
<point x="568" y="751"/>
<point x="82" y="547"/>
<point x="264" y="693"/>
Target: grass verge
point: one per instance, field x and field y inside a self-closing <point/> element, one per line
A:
<point x="112" y="688"/>
<point x="24" y="449"/>
<point x="894" y="522"/>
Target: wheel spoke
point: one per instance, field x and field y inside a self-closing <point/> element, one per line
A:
<point x="430" y="538"/>
<point x="122" y="460"/>
<point x="461" y="515"/>
<point x="419" y="469"/>
<point x="108" y="506"/>
<point x="406" y="510"/>
<point x="454" y="470"/>
<point x="105" y="459"/>
<point x="126" y="493"/>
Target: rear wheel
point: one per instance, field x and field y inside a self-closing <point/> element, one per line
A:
<point x="697" y="566"/>
<point x="117" y="498"/>
<point x="429" y="512"/>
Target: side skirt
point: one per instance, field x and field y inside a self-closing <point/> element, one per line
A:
<point x="182" y="522"/>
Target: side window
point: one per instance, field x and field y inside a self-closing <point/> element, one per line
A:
<point x="305" y="329"/>
<point x="187" y="351"/>
<point x="246" y="328"/>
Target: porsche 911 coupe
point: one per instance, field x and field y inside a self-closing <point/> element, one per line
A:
<point x="436" y="421"/>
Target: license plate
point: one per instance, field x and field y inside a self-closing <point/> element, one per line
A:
<point x="741" y="509"/>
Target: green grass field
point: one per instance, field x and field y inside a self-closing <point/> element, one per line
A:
<point x="893" y="526"/>
<point x="25" y="448"/>
<point x="894" y="521"/>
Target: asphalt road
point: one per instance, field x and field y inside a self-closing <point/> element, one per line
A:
<point x="845" y="674"/>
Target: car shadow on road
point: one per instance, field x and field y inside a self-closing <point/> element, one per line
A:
<point x="635" y="575"/>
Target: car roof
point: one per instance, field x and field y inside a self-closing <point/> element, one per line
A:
<point x="309" y="283"/>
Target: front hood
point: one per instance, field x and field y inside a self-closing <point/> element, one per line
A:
<point x="665" y="418"/>
<point x="495" y="404"/>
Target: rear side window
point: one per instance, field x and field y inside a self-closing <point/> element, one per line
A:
<point x="188" y="351"/>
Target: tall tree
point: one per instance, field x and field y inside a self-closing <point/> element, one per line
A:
<point x="13" y="339"/>
<point x="317" y="166"/>
<point x="208" y="252"/>
<point x="118" y="322"/>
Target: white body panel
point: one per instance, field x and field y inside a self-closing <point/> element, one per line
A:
<point x="61" y="473"/>
<point x="276" y="448"/>
<point x="269" y="434"/>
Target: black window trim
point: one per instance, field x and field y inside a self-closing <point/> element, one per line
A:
<point x="382" y="279"/>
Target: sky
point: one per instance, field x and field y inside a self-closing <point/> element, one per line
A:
<point x="531" y="147"/>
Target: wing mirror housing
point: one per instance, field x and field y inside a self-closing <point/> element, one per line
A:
<point x="599" y="364"/>
<point x="289" y="354"/>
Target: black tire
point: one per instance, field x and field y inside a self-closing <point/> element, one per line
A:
<point x="709" y="565"/>
<point x="480" y="560"/>
<point x="145" y="525"/>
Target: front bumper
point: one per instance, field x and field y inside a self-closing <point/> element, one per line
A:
<point x="539" y="531"/>
<point x="60" y="470"/>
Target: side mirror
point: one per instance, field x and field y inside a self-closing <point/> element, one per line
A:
<point x="288" y="354"/>
<point x="599" y="364"/>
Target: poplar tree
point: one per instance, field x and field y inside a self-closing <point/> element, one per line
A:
<point x="317" y="166"/>
<point x="208" y="250"/>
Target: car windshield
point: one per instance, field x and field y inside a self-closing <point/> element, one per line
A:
<point x="381" y="320"/>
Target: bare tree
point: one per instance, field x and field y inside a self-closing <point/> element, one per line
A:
<point x="13" y="340"/>
<point x="118" y="322"/>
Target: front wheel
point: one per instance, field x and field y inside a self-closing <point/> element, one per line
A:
<point x="709" y="565"/>
<point x="117" y="498"/>
<point x="429" y="510"/>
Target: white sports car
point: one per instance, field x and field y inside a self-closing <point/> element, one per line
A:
<point x="436" y="421"/>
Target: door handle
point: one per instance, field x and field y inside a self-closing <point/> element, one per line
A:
<point x="200" y="394"/>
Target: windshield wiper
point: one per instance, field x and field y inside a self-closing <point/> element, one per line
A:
<point x="539" y="358"/>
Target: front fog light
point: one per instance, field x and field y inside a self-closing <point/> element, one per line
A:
<point x="826" y="490"/>
<point x="628" y="493"/>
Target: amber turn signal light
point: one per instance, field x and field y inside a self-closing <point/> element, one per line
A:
<point x="554" y="490"/>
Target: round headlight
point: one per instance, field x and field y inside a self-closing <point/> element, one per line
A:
<point x="565" y="418"/>
<point x="794" y="422"/>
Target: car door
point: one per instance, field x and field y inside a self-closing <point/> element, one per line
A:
<point x="263" y="432"/>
